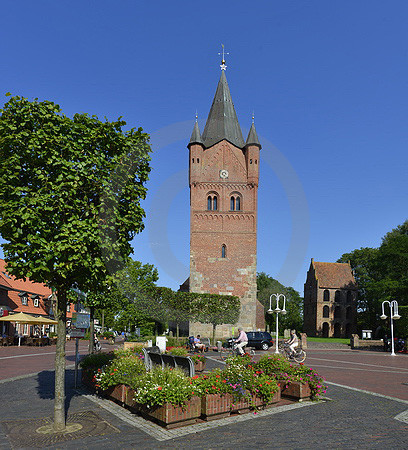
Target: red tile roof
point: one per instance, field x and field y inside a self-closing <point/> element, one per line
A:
<point x="334" y="275"/>
<point x="20" y="285"/>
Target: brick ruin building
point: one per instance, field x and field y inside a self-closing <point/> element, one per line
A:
<point x="223" y="178"/>
<point x="330" y="300"/>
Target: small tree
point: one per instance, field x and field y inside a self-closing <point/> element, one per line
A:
<point x="215" y="309"/>
<point x="70" y="192"/>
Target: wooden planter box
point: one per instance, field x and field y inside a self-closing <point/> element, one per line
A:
<point x="215" y="406"/>
<point x="116" y="393"/>
<point x="171" y="416"/>
<point x="129" y="399"/>
<point x="296" y="390"/>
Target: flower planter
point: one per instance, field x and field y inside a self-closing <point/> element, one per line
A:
<point x="87" y="378"/>
<point x="171" y="416"/>
<point x="296" y="390"/>
<point x="241" y="405"/>
<point x="129" y="400"/>
<point x="116" y="393"/>
<point x="215" y="406"/>
<point x="276" y="399"/>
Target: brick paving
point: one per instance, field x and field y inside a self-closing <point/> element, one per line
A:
<point x="351" y="419"/>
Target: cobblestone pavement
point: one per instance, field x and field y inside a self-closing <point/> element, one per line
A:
<point x="351" y="419"/>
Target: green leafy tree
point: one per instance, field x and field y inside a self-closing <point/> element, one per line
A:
<point x="293" y="319"/>
<point x="70" y="192"/>
<point x="215" y="309"/>
<point x="381" y="274"/>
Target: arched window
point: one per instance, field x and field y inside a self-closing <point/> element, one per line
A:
<point x="223" y="251"/>
<point x="326" y="295"/>
<point x="349" y="297"/>
<point x="212" y="202"/>
<point x="337" y="296"/>
<point x="337" y="312"/>
<point x="325" y="330"/>
<point x="235" y="202"/>
<point x="325" y="311"/>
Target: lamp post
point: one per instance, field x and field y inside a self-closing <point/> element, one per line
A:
<point x="277" y="310"/>
<point x="393" y="316"/>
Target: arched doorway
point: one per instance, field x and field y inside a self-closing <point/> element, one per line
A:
<point x="325" y="330"/>
<point x="337" y="330"/>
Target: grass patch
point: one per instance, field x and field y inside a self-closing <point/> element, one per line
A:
<point x="329" y="340"/>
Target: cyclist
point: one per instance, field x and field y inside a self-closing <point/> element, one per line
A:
<point x="241" y="341"/>
<point x="293" y="342"/>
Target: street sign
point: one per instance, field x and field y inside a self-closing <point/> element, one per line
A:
<point x="80" y="320"/>
<point x="77" y="333"/>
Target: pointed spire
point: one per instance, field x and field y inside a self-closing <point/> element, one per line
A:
<point x="252" y="138"/>
<point x="196" y="135"/>
<point x="222" y="122"/>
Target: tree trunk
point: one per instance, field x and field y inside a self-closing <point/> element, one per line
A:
<point x="177" y="330"/>
<point x="59" y="400"/>
<point x="91" y="348"/>
<point x="214" y="327"/>
<point x="103" y="321"/>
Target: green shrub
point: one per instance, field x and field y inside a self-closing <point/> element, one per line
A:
<point x="123" y="370"/>
<point x="96" y="360"/>
<point x="177" y="351"/>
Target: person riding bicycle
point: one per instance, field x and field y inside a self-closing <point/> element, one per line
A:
<point x="293" y="342"/>
<point x="241" y="341"/>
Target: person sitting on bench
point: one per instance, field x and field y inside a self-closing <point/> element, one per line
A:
<point x="198" y="344"/>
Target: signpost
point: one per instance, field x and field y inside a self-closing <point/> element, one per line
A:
<point x="80" y="323"/>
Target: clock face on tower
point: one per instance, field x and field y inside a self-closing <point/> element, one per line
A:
<point x="223" y="173"/>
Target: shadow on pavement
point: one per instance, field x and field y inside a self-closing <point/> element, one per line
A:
<point x="46" y="386"/>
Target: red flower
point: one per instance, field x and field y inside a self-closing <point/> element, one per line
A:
<point x="159" y="388"/>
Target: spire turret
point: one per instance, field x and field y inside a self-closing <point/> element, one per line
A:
<point x="222" y="122"/>
<point x="196" y="135"/>
<point x="252" y="138"/>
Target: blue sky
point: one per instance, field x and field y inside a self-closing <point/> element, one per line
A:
<point x="328" y="82"/>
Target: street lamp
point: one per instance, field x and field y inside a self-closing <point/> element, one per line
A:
<point x="393" y="316"/>
<point x="277" y="310"/>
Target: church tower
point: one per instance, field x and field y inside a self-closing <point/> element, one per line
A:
<point x="223" y="178"/>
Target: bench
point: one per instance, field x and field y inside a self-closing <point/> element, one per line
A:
<point x="156" y="359"/>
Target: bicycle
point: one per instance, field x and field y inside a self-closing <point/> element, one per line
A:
<point x="226" y="352"/>
<point x="299" y="354"/>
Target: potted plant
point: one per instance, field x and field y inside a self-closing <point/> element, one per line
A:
<point x="167" y="397"/>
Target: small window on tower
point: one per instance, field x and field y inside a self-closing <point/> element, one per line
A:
<point x="232" y="204"/>
<point x="223" y="251"/>
<point x="198" y="160"/>
<point x="238" y="204"/>
<point x="250" y="161"/>
<point x="209" y="203"/>
<point x="193" y="160"/>
<point x="215" y="206"/>
<point x="256" y="161"/>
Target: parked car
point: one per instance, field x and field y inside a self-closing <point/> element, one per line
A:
<point x="257" y="339"/>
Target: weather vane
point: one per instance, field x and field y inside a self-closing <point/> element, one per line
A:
<point x="223" y="66"/>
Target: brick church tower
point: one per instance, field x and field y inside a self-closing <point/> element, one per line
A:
<point x="223" y="178"/>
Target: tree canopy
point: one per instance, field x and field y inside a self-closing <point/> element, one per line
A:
<point x="382" y="274"/>
<point x="70" y="192"/>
